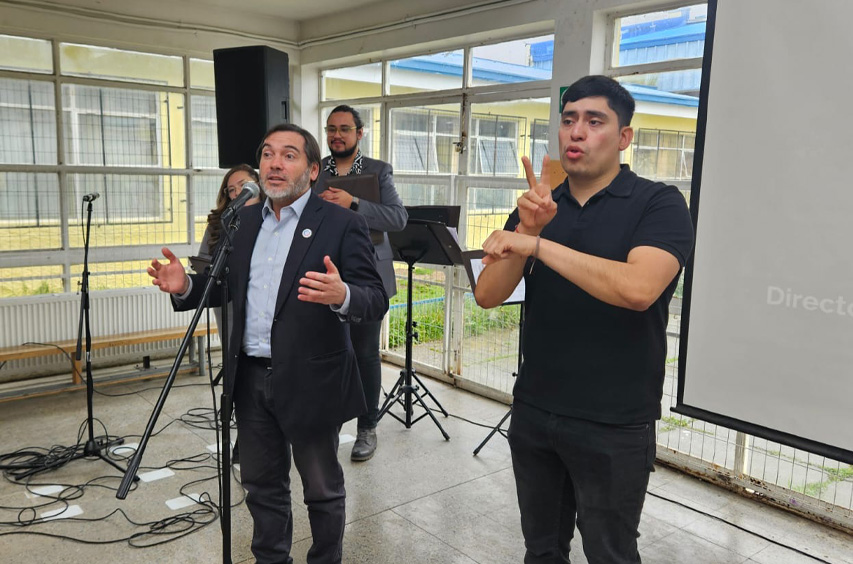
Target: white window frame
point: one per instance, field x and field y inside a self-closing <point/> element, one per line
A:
<point x="611" y="45"/>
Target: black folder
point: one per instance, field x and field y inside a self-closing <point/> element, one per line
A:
<point x="362" y="186"/>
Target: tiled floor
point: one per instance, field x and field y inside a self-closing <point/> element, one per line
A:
<point x="421" y="499"/>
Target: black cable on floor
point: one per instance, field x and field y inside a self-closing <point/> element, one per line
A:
<point x="699" y="511"/>
<point x="744" y="529"/>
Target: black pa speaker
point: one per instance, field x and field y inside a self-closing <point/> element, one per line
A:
<point x="252" y="95"/>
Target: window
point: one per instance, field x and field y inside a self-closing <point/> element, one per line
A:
<point x="124" y="198"/>
<point x="119" y="131"/>
<point x="423" y="140"/>
<point x="538" y="143"/>
<point x="521" y="60"/>
<point x="205" y="140"/>
<point x="28" y="122"/>
<point x="669" y="44"/>
<point x="205" y="192"/>
<point x="501" y="133"/>
<point x="660" y="36"/>
<point x="25" y="54"/>
<point x="202" y="75"/>
<point x="363" y="81"/>
<point x="117" y="64"/>
<point x="29" y="200"/>
<point x="663" y="155"/>
<point x="439" y="71"/>
<point x="666" y="40"/>
<point x="427" y="139"/>
<point x="111" y="126"/>
<point x="495" y="139"/>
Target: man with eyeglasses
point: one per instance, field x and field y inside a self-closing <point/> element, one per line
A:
<point x="344" y="129"/>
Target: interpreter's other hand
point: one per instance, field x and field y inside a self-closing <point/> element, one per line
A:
<point x="337" y="196"/>
<point x="170" y="277"/>
<point x="502" y="244"/>
<point x="536" y="207"/>
<point x="323" y="288"/>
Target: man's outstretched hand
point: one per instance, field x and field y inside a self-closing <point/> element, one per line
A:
<point x="169" y="277"/>
<point x="323" y="288"/>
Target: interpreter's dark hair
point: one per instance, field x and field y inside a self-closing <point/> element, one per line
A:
<point x="355" y="115"/>
<point x="312" y="149"/>
<point x="618" y="98"/>
<point x="222" y="201"/>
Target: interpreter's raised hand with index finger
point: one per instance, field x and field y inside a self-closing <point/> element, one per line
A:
<point x="536" y="207"/>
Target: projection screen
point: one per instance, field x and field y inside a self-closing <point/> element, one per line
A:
<point x="767" y="326"/>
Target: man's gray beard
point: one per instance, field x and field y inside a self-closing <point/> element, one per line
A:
<point x="295" y="188"/>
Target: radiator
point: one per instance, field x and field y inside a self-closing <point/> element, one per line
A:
<point x="55" y="317"/>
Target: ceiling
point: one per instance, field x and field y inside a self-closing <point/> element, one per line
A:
<point x="296" y="10"/>
<point x="292" y="21"/>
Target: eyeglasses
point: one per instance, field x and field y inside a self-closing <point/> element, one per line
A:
<point x="345" y="129"/>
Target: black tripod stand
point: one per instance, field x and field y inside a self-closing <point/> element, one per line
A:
<point x="92" y="448"/>
<point x="473" y="261"/>
<point x="499" y="427"/>
<point x="216" y="276"/>
<point x="430" y="242"/>
<point x="403" y="389"/>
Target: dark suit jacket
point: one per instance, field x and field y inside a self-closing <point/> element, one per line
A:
<point x="388" y="214"/>
<point x="315" y="376"/>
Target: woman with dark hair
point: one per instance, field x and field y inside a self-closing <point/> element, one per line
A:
<point x="232" y="185"/>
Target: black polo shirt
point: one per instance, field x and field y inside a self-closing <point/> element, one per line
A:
<point x="582" y="357"/>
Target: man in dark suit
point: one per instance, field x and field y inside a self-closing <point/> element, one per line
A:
<point x="299" y="268"/>
<point x="344" y="129"/>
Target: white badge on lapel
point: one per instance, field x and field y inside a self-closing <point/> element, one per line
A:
<point x="306" y="233"/>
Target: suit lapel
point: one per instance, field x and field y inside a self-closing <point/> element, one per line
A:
<point x="244" y="243"/>
<point x="309" y="223"/>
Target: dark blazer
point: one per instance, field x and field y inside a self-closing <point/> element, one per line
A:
<point x="388" y="214"/>
<point x="315" y="376"/>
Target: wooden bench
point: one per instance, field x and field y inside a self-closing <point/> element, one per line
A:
<point x="69" y="348"/>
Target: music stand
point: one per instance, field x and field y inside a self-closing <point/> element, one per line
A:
<point x="448" y="215"/>
<point x="428" y="242"/>
<point x="473" y="261"/>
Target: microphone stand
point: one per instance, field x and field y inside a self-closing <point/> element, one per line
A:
<point x="91" y="448"/>
<point x="216" y="275"/>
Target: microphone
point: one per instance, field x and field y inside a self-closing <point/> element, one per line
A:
<point x="91" y="197"/>
<point x="250" y="190"/>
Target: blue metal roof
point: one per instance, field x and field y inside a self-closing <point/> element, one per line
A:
<point x="542" y="51"/>
<point x="450" y="64"/>
<point x="649" y="94"/>
<point x="681" y="34"/>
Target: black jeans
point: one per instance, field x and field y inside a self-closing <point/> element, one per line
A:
<point x="571" y="471"/>
<point x="365" y="343"/>
<point x="265" y="455"/>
